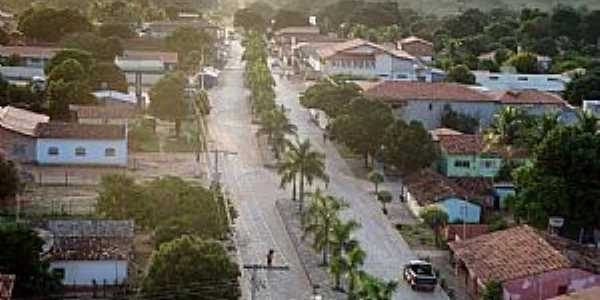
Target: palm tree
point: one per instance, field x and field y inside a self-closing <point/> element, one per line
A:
<point x="376" y="178"/>
<point x="309" y="163"/>
<point x="355" y="260"/>
<point x="341" y="244"/>
<point x="373" y="288"/>
<point x="319" y="220"/>
<point x="288" y="170"/>
<point x="505" y="128"/>
<point x="436" y="218"/>
<point x="587" y="122"/>
<point x="276" y="125"/>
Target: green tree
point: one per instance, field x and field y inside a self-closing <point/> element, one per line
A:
<point x="507" y="127"/>
<point x="373" y="288"/>
<point x="288" y="18"/>
<point x="409" y="147"/>
<point x="195" y="268"/>
<point x="276" y="125"/>
<point x="384" y="197"/>
<point x="104" y="49"/>
<point x="376" y="178"/>
<point x="84" y="58"/>
<point x="120" y="197"/>
<point x="492" y="291"/>
<point x="249" y="20"/>
<point x="168" y="99"/>
<point x="461" y="74"/>
<point x="363" y="127"/>
<point x="341" y="244"/>
<point x="583" y="87"/>
<point x="458" y="121"/>
<point x="50" y="25"/>
<point x="355" y="260"/>
<point x="288" y="170"/>
<point x="67" y="84"/>
<point x="11" y="182"/>
<point x="120" y="30"/>
<point x="106" y="75"/>
<point x="436" y="218"/>
<point x="20" y="255"/>
<point x="309" y="164"/>
<point x="331" y="98"/>
<point x="566" y="167"/>
<point x="186" y="39"/>
<point x="524" y="62"/>
<point x="319" y="220"/>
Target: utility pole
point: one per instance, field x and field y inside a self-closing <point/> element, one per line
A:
<point x="254" y="281"/>
<point x="217" y="152"/>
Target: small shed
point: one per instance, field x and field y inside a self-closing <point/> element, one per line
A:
<point x="460" y="210"/>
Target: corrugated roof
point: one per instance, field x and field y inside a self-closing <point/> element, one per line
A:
<point x="413" y="39"/>
<point x="20" y="120"/>
<point x="102" y="112"/>
<point x="166" y="57"/>
<point x="508" y="254"/>
<point x="59" y="130"/>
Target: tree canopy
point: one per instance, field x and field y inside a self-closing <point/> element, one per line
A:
<point x="11" y="182"/>
<point x="191" y="266"/>
<point x="168" y="98"/>
<point x="46" y="24"/>
<point x="186" y="39"/>
<point x="461" y="74"/>
<point x="409" y="147"/>
<point x="583" y="87"/>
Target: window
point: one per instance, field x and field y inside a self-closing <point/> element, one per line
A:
<point x="79" y="151"/>
<point x="110" y="152"/>
<point x="494" y="77"/>
<point x="401" y="76"/>
<point x="462" y="164"/>
<point x="488" y="164"/>
<point x="53" y="151"/>
<point x="552" y="79"/>
<point x="422" y="78"/>
<point x="19" y="149"/>
<point x="430" y="106"/>
<point x="522" y="78"/>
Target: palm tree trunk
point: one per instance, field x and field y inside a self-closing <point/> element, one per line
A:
<point x="301" y="190"/>
<point x="294" y="188"/>
<point x="366" y="156"/>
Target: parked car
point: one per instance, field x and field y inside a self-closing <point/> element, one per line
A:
<point x="420" y="275"/>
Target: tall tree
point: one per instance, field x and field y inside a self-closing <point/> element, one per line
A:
<point x="507" y="127"/>
<point x="461" y="74"/>
<point x="84" y="58"/>
<point x="20" y="254"/>
<point x="197" y="268"/>
<point x="409" y="147"/>
<point x="50" y="25"/>
<point x="319" y="220"/>
<point x="67" y="84"/>
<point x="436" y="218"/>
<point x="373" y="288"/>
<point x="168" y="99"/>
<point x="11" y="182"/>
<point x="525" y="63"/>
<point x="363" y="127"/>
<point x="341" y="244"/>
<point x="309" y="163"/>
<point x="288" y="18"/>
<point x="106" y="75"/>
<point x="355" y="260"/>
<point x="186" y="39"/>
<point x="583" y="87"/>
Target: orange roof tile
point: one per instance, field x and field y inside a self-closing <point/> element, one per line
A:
<point x="331" y="50"/>
<point x="429" y="186"/>
<point x="508" y="254"/>
<point x="528" y="97"/>
<point x="459" y="144"/>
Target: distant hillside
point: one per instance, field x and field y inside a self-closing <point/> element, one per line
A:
<point x="16" y="6"/>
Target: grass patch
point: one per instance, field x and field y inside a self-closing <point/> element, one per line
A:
<point x="418" y="235"/>
<point x="179" y="145"/>
<point x="142" y="139"/>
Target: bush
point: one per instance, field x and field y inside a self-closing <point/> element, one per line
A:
<point x="459" y="121"/>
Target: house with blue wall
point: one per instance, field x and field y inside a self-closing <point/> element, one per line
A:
<point x="459" y="210"/>
<point x="81" y="144"/>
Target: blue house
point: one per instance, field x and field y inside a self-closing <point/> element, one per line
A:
<point x="460" y="210"/>
<point x="81" y="144"/>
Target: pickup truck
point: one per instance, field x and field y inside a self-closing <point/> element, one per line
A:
<point x="420" y="275"/>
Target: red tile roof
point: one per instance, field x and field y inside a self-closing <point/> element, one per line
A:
<point x="429" y="186"/>
<point x="528" y="97"/>
<point x="430" y="91"/>
<point x="102" y="112"/>
<point x="478" y="189"/>
<point x="59" y="130"/>
<point x="39" y="52"/>
<point x="508" y="254"/>
<point x="166" y="57"/>
<point x="435" y="133"/>
<point x="332" y="50"/>
<point x="20" y="120"/>
<point x="461" y="144"/>
<point x="90" y="248"/>
<point x="454" y="231"/>
<point x="298" y="30"/>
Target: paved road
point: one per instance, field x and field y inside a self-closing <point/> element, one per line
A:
<point x="255" y="190"/>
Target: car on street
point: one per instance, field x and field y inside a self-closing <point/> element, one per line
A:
<point x="420" y="275"/>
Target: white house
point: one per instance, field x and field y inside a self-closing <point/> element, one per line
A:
<point x="592" y="106"/>
<point x="426" y="101"/>
<point x="365" y="59"/>
<point x="146" y="67"/>
<point x="88" y="252"/>
<point x="81" y="144"/>
<point x="510" y="81"/>
<point x="36" y="57"/>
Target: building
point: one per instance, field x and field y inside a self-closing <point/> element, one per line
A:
<point x="555" y="83"/>
<point x="592" y="106"/>
<point x="90" y="252"/>
<point x="115" y="98"/>
<point x="587" y="294"/>
<point x="23" y="76"/>
<point x="458" y="232"/>
<point x="286" y="41"/>
<point x="18" y="138"/>
<point x="417" y="47"/>
<point x="147" y="67"/>
<point x="521" y="259"/>
<point x="544" y="62"/>
<point x="428" y="187"/>
<point x="466" y="155"/>
<point x="102" y="114"/>
<point x="81" y="144"/>
<point x="427" y="101"/>
<point x="364" y="59"/>
<point x="35" y="57"/>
